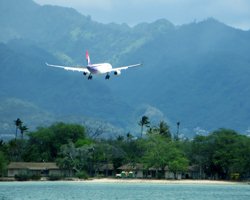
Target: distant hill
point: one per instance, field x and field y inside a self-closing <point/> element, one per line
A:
<point x="196" y="73"/>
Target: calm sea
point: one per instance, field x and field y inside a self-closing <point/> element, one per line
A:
<point x="111" y="191"/>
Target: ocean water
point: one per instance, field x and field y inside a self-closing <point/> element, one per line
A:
<point x="112" y="191"/>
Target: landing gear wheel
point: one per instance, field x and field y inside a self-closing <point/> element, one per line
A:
<point x="107" y="76"/>
<point x="90" y="77"/>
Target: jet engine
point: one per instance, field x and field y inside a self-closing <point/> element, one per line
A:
<point x="118" y="72"/>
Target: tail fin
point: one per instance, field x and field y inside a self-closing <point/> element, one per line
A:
<point x="87" y="58"/>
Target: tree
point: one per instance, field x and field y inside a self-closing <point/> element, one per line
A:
<point x="75" y="159"/>
<point x="46" y="142"/>
<point x="97" y="131"/>
<point x="199" y="153"/>
<point x="164" y="129"/>
<point x="160" y="153"/>
<point x="23" y="129"/>
<point x="133" y="151"/>
<point x="222" y="153"/>
<point x="18" y="123"/>
<point x="42" y="146"/>
<point x="63" y="133"/>
<point x="143" y="122"/>
<point x="177" y="131"/>
<point x="179" y="164"/>
<point x="129" y="137"/>
<point x="3" y="163"/>
<point x="161" y="129"/>
<point x="227" y="154"/>
<point x="16" y="149"/>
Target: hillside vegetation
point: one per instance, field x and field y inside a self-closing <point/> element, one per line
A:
<point x="197" y="73"/>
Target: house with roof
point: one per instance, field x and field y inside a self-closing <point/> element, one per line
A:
<point x="140" y="171"/>
<point x="106" y="169"/>
<point x="132" y="170"/>
<point x="194" y="172"/>
<point x="154" y="172"/>
<point x="43" y="169"/>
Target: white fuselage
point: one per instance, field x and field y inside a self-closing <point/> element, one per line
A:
<point x="101" y="68"/>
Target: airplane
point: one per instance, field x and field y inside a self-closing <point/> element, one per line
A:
<point x="91" y="69"/>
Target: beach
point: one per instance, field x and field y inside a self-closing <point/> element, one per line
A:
<point x="146" y="181"/>
<point x="155" y="181"/>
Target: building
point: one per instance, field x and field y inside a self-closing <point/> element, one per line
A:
<point x="43" y="169"/>
<point x="132" y="170"/>
<point x="106" y="170"/>
<point x="194" y="172"/>
<point x="139" y="171"/>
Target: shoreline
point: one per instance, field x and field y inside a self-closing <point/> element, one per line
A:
<point x="164" y="181"/>
<point x="139" y="181"/>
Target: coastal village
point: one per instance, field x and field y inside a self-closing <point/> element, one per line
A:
<point x="46" y="170"/>
<point x="69" y="151"/>
<point x="65" y="151"/>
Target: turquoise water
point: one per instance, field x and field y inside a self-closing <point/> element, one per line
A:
<point x="108" y="191"/>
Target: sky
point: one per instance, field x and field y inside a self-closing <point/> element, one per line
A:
<point x="235" y="13"/>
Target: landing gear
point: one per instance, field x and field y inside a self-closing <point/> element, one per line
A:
<point x="90" y="77"/>
<point x="107" y="76"/>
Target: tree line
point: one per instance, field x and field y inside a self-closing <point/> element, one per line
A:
<point x="222" y="154"/>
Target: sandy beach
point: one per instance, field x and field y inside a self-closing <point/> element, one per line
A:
<point x="146" y="181"/>
<point x="153" y="181"/>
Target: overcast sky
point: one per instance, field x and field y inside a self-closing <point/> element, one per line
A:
<point x="235" y="13"/>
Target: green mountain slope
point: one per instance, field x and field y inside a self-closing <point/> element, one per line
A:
<point x="197" y="73"/>
<point x="24" y="75"/>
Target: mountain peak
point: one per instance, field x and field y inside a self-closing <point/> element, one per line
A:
<point x="160" y="26"/>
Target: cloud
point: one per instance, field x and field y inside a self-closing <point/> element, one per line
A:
<point x="232" y="12"/>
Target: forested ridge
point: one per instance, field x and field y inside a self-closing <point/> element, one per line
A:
<point x="196" y="73"/>
<point x="222" y="154"/>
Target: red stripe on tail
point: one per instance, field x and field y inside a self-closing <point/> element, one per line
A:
<point x="87" y="58"/>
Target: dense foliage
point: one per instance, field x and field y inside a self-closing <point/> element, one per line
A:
<point x="223" y="154"/>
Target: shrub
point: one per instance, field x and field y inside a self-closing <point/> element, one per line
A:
<point x="22" y="177"/>
<point x="35" y="177"/>
<point x="82" y="175"/>
<point x="54" y="178"/>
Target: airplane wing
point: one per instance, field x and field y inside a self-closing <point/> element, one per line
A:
<point x="124" y="67"/>
<point x="79" y="69"/>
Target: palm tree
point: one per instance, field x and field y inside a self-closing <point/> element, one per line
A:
<point x="129" y="137"/>
<point x="143" y="122"/>
<point x="177" y="132"/>
<point x="164" y="129"/>
<point x="18" y="123"/>
<point x="22" y="128"/>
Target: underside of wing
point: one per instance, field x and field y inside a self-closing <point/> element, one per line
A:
<point x="71" y="68"/>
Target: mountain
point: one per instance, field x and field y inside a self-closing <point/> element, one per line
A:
<point x="25" y="78"/>
<point x="196" y="73"/>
